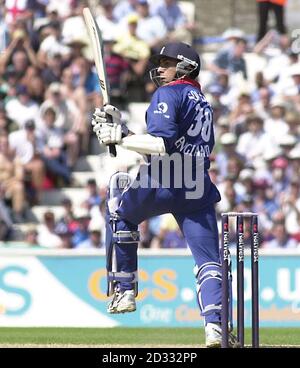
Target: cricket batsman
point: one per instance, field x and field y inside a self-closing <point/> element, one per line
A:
<point x="178" y="144"/>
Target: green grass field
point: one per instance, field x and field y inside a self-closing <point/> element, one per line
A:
<point x="135" y="336"/>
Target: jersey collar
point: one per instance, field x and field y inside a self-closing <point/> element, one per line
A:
<point x="185" y="80"/>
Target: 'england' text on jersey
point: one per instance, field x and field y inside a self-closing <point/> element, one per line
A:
<point x="192" y="149"/>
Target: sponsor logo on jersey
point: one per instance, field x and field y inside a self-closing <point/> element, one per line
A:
<point x="162" y="108"/>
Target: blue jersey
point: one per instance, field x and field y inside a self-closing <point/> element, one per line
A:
<point x="180" y="114"/>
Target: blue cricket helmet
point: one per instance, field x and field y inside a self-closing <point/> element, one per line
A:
<point x="189" y="60"/>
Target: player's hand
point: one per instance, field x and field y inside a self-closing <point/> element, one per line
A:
<point x="107" y="125"/>
<point x="108" y="114"/>
<point x="108" y="134"/>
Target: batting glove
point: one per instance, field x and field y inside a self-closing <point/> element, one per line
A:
<point x="108" y="134"/>
<point x="107" y="125"/>
<point x="107" y="115"/>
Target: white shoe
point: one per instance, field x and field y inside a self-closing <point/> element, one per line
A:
<point x="213" y="337"/>
<point x="122" y="302"/>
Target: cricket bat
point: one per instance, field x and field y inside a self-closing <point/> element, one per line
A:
<point x="97" y="47"/>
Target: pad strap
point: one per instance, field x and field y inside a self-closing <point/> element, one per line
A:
<point x="123" y="276"/>
<point x="126" y="237"/>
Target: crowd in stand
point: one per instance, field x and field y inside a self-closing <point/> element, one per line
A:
<point x="49" y="90"/>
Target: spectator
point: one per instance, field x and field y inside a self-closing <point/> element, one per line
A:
<point x="67" y="120"/>
<point x="21" y="108"/>
<point x="277" y="52"/>
<point x="275" y="126"/>
<point x="11" y="179"/>
<point x="77" y="45"/>
<point x="97" y="214"/>
<point x="222" y="127"/>
<point x="228" y="143"/>
<point x="108" y="22"/>
<point x="269" y="156"/>
<point x="8" y="88"/>
<point x="31" y="236"/>
<point x="94" y="198"/>
<point x="136" y="52"/>
<point x="130" y="45"/>
<point x="65" y="235"/>
<point x="6" y="224"/>
<point x="52" y="13"/>
<point x="4" y="120"/>
<point x="231" y="61"/>
<point x="81" y="233"/>
<point x="118" y="73"/>
<point x="240" y="113"/>
<point x="47" y="236"/>
<point x="94" y="239"/>
<point x="264" y="7"/>
<point x="281" y="238"/>
<point x="214" y="95"/>
<point x="53" y="69"/>
<point x="52" y="44"/>
<point x="4" y="34"/>
<point x="265" y="203"/>
<point x="292" y="118"/>
<point x="279" y="175"/>
<point x="150" y="28"/>
<point x="254" y="141"/>
<point x="73" y="27"/>
<point x="221" y="84"/>
<point x="85" y="77"/>
<point x="234" y="166"/>
<point x="245" y="184"/>
<point x="38" y="8"/>
<point x="34" y="84"/>
<point x="287" y="142"/>
<point x="175" y="21"/>
<point x="68" y="219"/>
<point x="50" y="146"/>
<point x="228" y="195"/>
<point x="290" y="202"/>
<point x="23" y="144"/>
<point x="77" y="97"/>
<point x="231" y="36"/>
<point x="124" y="8"/>
<point x="292" y="94"/>
<point x="260" y="82"/>
<point x="294" y="161"/>
<point x="285" y="80"/>
<point x="62" y="8"/>
<point x="245" y="203"/>
<point x="262" y="106"/>
<point x="19" y="53"/>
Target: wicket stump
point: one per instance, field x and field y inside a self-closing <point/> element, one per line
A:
<point x="225" y="259"/>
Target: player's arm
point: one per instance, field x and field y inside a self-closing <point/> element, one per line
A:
<point x="144" y="143"/>
<point x="118" y="133"/>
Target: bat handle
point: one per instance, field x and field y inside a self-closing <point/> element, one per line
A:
<point x="111" y="147"/>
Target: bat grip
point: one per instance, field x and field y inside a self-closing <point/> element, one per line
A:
<point x="111" y="147"/>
